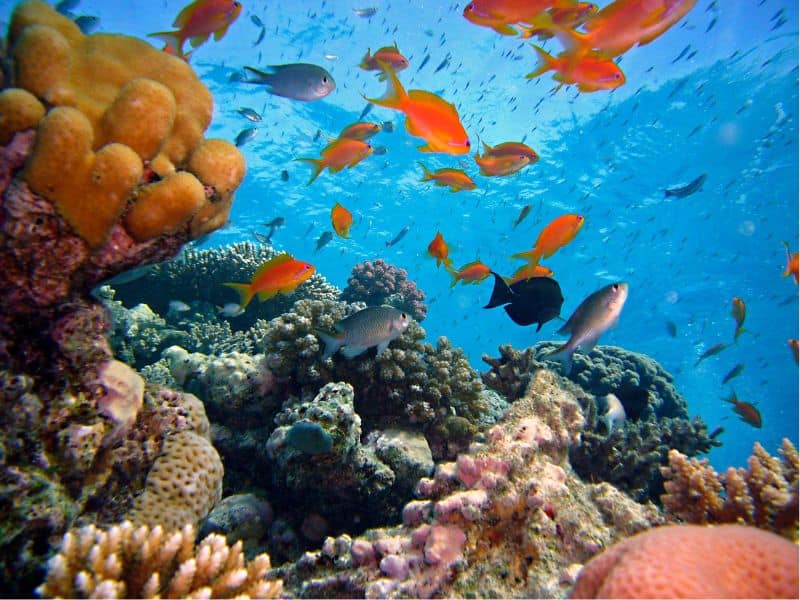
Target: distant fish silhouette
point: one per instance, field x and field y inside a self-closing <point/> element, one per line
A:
<point x="687" y="190"/>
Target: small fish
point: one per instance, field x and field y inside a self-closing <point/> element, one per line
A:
<point x="379" y="150"/>
<point x="471" y="273"/>
<point x="341" y="219"/>
<point x="328" y="56"/>
<point x="309" y="438"/>
<point x="360" y="131"/>
<point x="245" y="135"/>
<point x="261" y="238"/>
<point x="373" y="326"/>
<point x="738" y="312"/>
<point x="439" y="250"/>
<point x="284" y="175"/>
<point x="229" y="310"/>
<point x="455" y="179"/>
<point x="87" y="24"/>
<point x="365" y="13"/>
<point x="793" y="346"/>
<point x="178" y="306"/>
<point x="442" y="64"/>
<point x="249" y="114"/>
<point x="591" y="73"/>
<point x="261" y="35"/>
<point x="366" y="111"/>
<point x="528" y="301"/>
<point x="556" y="234"/>
<point x="596" y="314"/>
<point x="734" y="372"/>
<point x="276" y="222"/>
<point x="66" y="6"/>
<point x="400" y="235"/>
<point x="388" y="55"/>
<point x="322" y="240"/>
<point x="340" y="154"/>
<point x="614" y="416"/>
<point x="197" y="21"/>
<point x="792" y="264"/>
<point x="522" y="214"/>
<point x="256" y="21"/>
<point x="423" y="63"/>
<point x="500" y="166"/>
<point x="687" y="190"/>
<point x="714" y="350"/>
<point x="297" y="81"/>
<point x="279" y="275"/>
<point x="388" y="126"/>
<point x="748" y="412"/>
<point x="527" y="271"/>
<point x="672" y="328"/>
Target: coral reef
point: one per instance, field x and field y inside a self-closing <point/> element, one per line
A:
<point x="691" y="561"/>
<point x="377" y="282"/>
<point x="657" y="420"/>
<point x="130" y="562"/>
<point x="764" y="495"/>
<point x="242" y="517"/>
<point x="507" y="519"/>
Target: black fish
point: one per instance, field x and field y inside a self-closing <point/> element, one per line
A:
<point x="365" y="112"/>
<point x="326" y="237"/>
<point x="402" y="233"/>
<point x="687" y="190"/>
<point x="276" y="222"/>
<point x="284" y="175"/>
<point x="535" y="300"/>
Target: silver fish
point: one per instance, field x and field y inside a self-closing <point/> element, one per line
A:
<point x="615" y="413"/>
<point x="249" y="114"/>
<point x="597" y="313"/>
<point x="298" y="81"/>
<point x="245" y="135"/>
<point x="373" y="326"/>
<point x="365" y="12"/>
<point x="322" y="240"/>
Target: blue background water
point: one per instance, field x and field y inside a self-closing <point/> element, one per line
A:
<point x="727" y="108"/>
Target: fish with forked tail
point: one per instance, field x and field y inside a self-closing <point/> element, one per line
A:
<point x="298" y="81"/>
<point x="372" y="326"/>
<point x="596" y="314"/>
<point x="529" y="301"/>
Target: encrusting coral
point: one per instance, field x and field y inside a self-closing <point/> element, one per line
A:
<point x="141" y="562"/>
<point x="764" y="495"/>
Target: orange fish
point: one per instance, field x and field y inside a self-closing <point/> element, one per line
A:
<point x="569" y="18"/>
<point x="341" y="219"/>
<point x="500" y="15"/>
<point x="792" y="263"/>
<point x="500" y="166"/>
<point x="439" y="250"/>
<point x="559" y="232"/>
<point x="455" y="179"/>
<point x="738" y="312"/>
<point x="528" y="272"/>
<point x="624" y="24"/>
<point x="427" y="116"/>
<point x="793" y="346"/>
<point x="339" y="154"/>
<point x="510" y="149"/>
<point x="473" y="272"/>
<point x="389" y="55"/>
<point x="197" y="21"/>
<point x="279" y="275"/>
<point x="360" y="131"/>
<point x="748" y="412"/>
<point x="590" y="72"/>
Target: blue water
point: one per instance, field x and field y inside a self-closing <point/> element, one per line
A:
<point x="727" y="108"/>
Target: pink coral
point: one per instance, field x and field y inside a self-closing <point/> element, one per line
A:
<point x="377" y="282"/>
<point x="693" y="561"/>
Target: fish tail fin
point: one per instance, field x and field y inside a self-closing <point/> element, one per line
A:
<point x="172" y="39"/>
<point x="365" y="61"/>
<point x="546" y="63"/>
<point x="501" y="293"/>
<point x="395" y="95"/>
<point x="427" y="175"/>
<point x="317" y="165"/>
<point x="331" y="340"/>
<point x="246" y="294"/>
<point x="574" y="42"/>
<point x="258" y="76"/>
<point x="563" y="354"/>
<point x="532" y="256"/>
<point x="739" y="331"/>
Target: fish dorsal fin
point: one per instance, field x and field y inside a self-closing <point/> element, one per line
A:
<point x="272" y="262"/>
<point x="184" y="15"/>
<point x="430" y="99"/>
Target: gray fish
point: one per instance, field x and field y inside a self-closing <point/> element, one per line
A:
<point x="596" y="314"/>
<point x="400" y="235"/>
<point x="366" y="111"/>
<point x="322" y="240"/>
<point x="256" y="21"/>
<point x="249" y="114"/>
<point x="66" y="6"/>
<point x="379" y="150"/>
<point x="373" y="326"/>
<point x="365" y="12"/>
<point x="245" y="135"/>
<point x="87" y="24"/>
<point x="714" y="350"/>
<point x="734" y="372"/>
<point x="387" y="126"/>
<point x="298" y="81"/>
<point x="687" y="190"/>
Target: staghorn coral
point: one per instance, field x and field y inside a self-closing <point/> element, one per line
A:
<point x="764" y="495"/>
<point x="690" y="561"/>
<point x="130" y="562"/>
<point x="377" y="282"/>
<point x="628" y="457"/>
<point x="507" y="519"/>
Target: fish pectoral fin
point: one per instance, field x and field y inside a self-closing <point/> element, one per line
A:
<point x="198" y="39"/>
<point x="266" y="295"/>
<point x="353" y="351"/>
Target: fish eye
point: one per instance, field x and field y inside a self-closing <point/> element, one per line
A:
<point x="468" y="140"/>
<point x="615" y="287"/>
<point x="324" y="79"/>
<point x="403" y="316"/>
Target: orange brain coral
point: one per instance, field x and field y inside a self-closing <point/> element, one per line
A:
<point x="693" y="561"/>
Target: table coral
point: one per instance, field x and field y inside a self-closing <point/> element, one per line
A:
<point x="692" y="561"/>
<point x="764" y="495"/>
<point x="130" y="562"/>
<point x="630" y="456"/>
<point x="377" y="282"/>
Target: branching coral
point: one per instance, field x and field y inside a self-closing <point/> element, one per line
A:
<point x="765" y="494"/>
<point x="629" y="457"/>
<point x="131" y="562"/>
<point x="377" y="282"/>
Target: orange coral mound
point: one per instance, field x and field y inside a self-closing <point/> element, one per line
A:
<point x="692" y="561"/>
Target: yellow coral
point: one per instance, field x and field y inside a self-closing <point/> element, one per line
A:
<point x="164" y="206"/>
<point x="183" y="485"/>
<point x="219" y="164"/>
<point x="19" y="110"/>
<point x="63" y="167"/>
<point x="129" y="562"/>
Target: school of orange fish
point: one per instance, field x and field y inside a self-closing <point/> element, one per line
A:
<point x="592" y="39"/>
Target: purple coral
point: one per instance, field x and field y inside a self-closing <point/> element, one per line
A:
<point x="377" y="282"/>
